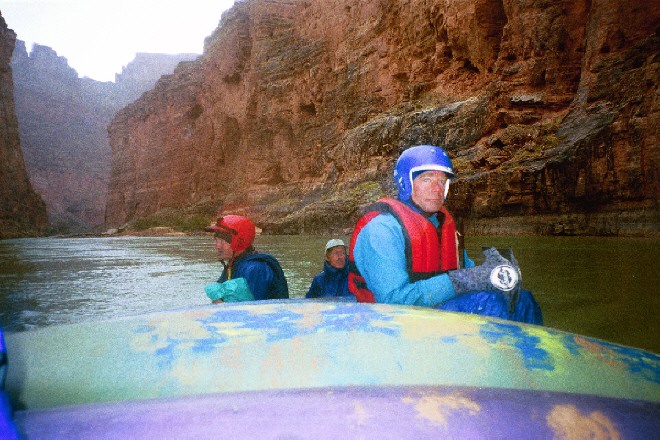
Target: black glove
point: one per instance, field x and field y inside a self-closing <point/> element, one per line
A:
<point x="496" y="274"/>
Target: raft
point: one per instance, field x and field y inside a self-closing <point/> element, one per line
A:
<point x="318" y="369"/>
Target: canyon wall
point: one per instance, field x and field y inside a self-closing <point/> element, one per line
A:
<point x="22" y="212"/>
<point x="297" y="111"/>
<point x="64" y="135"/>
<point x="63" y="123"/>
<point x="141" y="75"/>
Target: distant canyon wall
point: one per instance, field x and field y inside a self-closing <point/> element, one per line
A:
<point x="63" y="123"/>
<point x="22" y="212"/>
<point x="297" y="111"/>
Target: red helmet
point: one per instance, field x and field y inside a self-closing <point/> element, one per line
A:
<point x="241" y="231"/>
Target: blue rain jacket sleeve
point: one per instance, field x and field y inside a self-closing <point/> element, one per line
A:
<point x="316" y="288"/>
<point x="258" y="275"/>
<point x="7" y="427"/>
<point x="380" y="257"/>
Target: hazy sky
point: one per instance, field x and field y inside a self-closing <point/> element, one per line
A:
<point x="99" y="37"/>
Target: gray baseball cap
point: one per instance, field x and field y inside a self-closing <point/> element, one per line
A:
<point x="334" y="243"/>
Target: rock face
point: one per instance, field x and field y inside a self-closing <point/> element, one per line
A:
<point x="63" y="125"/>
<point x="297" y="111"/>
<point x="141" y="74"/>
<point x="63" y="131"/>
<point x="22" y="212"/>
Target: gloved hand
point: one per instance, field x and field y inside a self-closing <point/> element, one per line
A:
<point x="233" y="290"/>
<point x="495" y="274"/>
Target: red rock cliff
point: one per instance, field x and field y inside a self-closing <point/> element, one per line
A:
<point x="22" y="212"/>
<point x="297" y="111"/>
<point x="63" y="123"/>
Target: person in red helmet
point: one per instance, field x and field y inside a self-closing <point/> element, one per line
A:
<point x="247" y="274"/>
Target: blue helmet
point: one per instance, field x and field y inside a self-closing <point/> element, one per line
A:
<point x="416" y="160"/>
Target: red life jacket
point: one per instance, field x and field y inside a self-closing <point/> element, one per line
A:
<point x="429" y="250"/>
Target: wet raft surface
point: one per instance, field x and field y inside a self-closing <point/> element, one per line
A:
<point x="362" y="361"/>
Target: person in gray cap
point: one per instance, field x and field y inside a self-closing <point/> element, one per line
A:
<point x="333" y="280"/>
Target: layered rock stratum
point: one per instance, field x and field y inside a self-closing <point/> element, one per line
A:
<point x="63" y="123"/>
<point x="297" y="111"/>
<point x="22" y="212"/>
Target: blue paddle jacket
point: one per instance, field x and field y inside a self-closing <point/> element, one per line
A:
<point x="329" y="283"/>
<point x="263" y="274"/>
<point x="380" y="256"/>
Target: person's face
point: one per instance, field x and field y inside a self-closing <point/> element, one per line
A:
<point x="336" y="257"/>
<point x="224" y="249"/>
<point x="429" y="190"/>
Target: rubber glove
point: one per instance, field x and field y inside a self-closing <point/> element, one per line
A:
<point x="234" y="290"/>
<point x="496" y="273"/>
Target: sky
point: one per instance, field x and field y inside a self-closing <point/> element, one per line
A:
<point x="100" y="37"/>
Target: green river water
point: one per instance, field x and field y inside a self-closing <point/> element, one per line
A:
<point x="599" y="287"/>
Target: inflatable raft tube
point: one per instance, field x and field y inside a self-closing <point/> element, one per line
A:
<point x="327" y="364"/>
<point x="422" y="412"/>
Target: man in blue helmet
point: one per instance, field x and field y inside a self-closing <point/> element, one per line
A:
<point x="405" y="251"/>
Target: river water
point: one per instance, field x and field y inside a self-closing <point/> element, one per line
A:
<point x="600" y="287"/>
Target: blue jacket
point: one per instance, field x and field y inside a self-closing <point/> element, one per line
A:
<point x="263" y="275"/>
<point x="380" y="257"/>
<point x="7" y="427"/>
<point x="329" y="283"/>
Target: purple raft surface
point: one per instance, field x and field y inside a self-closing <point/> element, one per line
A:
<point x="353" y="412"/>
